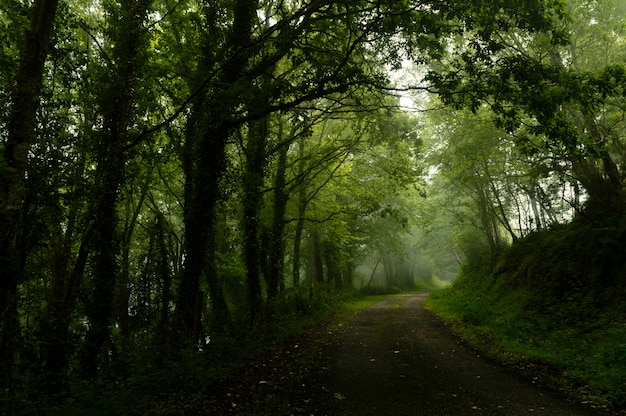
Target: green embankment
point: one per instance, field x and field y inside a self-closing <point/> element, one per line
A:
<point x="554" y="306"/>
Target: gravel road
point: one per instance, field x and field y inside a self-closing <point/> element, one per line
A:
<point x="395" y="359"/>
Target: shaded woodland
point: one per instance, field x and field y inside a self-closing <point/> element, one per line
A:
<point x="173" y="172"/>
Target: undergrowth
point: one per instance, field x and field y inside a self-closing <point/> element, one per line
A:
<point x="553" y="306"/>
<point x="153" y="384"/>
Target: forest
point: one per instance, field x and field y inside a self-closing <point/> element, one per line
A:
<point x="179" y="176"/>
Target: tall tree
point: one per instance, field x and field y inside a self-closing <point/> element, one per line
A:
<point x="253" y="181"/>
<point x="274" y="273"/>
<point x="117" y="108"/>
<point x="317" y="64"/>
<point x="208" y="132"/>
<point x="543" y="90"/>
<point x="114" y="222"/>
<point x="22" y="129"/>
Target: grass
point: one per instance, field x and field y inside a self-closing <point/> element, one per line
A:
<point x="566" y="343"/>
<point x="350" y="309"/>
<point x="552" y="305"/>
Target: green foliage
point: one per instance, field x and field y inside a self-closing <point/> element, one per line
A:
<point x="4" y="168"/>
<point x="556" y="99"/>
<point x="151" y="384"/>
<point x="552" y="302"/>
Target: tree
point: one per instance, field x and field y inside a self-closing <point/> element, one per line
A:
<point x="276" y="251"/>
<point x="14" y="164"/>
<point x="118" y="115"/>
<point x="208" y="132"/>
<point x="512" y="193"/>
<point x="356" y="168"/>
<point x="316" y="63"/>
<point x="543" y="90"/>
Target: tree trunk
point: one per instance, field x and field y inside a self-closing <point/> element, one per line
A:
<point x="64" y="293"/>
<point x="532" y="196"/>
<point x="373" y="274"/>
<point x="605" y="198"/>
<point x="99" y="307"/>
<point x="277" y="246"/>
<point x="165" y="277"/>
<point x="204" y="164"/>
<point x="489" y="220"/>
<point x="302" y="203"/>
<point x="332" y="259"/>
<point x="123" y="289"/>
<point x="317" y="262"/>
<point x="348" y="272"/>
<point x="117" y="109"/>
<point x="497" y="204"/>
<point x="21" y="135"/>
<point x="252" y="183"/>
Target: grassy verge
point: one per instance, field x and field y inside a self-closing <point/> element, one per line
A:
<point x="349" y="309"/>
<point x="553" y="305"/>
<point x="567" y="343"/>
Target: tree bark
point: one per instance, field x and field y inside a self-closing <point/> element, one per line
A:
<point x="252" y="183"/>
<point x="65" y="291"/>
<point x="276" y="255"/>
<point x="348" y="271"/>
<point x="302" y="203"/>
<point x="117" y="111"/>
<point x="122" y="303"/>
<point x="204" y="163"/>
<point x="316" y="254"/>
<point x="332" y="260"/>
<point x="21" y="134"/>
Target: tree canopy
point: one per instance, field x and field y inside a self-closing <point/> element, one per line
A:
<point x="173" y="171"/>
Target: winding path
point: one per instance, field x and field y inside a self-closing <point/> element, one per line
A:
<point x="394" y="359"/>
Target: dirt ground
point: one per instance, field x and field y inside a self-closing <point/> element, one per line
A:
<point x="393" y="359"/>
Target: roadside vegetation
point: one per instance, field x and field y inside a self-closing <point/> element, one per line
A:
<point x="191" y="383"/>
<point x="552" y="305"/>
<point x="531" y="174"/>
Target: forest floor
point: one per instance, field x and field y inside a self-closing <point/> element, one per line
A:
<point x="393" y="358"/>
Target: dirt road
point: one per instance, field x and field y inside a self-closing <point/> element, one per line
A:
<point x="394" y="359"/>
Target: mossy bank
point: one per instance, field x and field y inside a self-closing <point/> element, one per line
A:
<point x="552" y="305"/>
